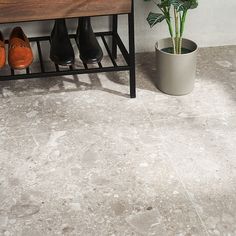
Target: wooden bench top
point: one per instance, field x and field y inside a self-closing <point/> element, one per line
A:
<point x="31" y="10"/>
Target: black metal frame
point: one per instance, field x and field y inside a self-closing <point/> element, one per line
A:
<point x="129" y="57"/>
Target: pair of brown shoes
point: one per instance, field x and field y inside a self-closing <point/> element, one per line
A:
<point x="20" y="55"/>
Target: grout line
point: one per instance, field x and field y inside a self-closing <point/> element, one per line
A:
<point x="34" y="139"/>
<point x="147" y="113"/>
<point x="188" y="195"/>
<point x="181" y="181"/>
<point x="9" y="135"/>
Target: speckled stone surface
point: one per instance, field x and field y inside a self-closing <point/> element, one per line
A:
<point x="78" y="157"/>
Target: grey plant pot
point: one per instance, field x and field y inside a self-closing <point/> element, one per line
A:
<point x="176" y="73"/>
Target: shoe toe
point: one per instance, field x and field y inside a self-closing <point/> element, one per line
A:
<point x="20" y="58"/>
<point x="91" y="56"/>
<point x="63" y="59"/>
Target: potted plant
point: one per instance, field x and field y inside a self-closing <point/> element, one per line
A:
<point x="175" y="56"/>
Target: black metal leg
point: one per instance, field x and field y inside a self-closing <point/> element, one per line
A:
<point x="132" y="53"/>
<point x="114" y="31"/>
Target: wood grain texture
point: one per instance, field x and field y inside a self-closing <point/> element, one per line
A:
<point x="30" y="10"/>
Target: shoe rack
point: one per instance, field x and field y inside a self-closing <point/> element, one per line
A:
<point x="37" y="10"/>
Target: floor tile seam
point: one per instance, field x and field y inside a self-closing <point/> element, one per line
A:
<point x="40" y="133"/>
<point x="228" y="114"/>
<point x="15" y="137"/>
<point x="32" y="135"/>
<point x="179" y="114"/>
<point x="62" y="92"/>
<point x="215" y="114"/>
<point x="17" y="95"/>
<point x="188" y="195"/>
<point x="185" y="118"/>
<point x="35" y="140"/>
<point x="149" y="118"/>
<point x="186" y="192"/>
<point x="147" y="113"/>
<point x="42" y="94"/>
<point x="29" y="136"/>
<point x="83" y="148"/>
<point x="9" y="133"/>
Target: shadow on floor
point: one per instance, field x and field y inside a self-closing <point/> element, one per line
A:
<point x="43" y="86"/>
<point x="115" y="81"/>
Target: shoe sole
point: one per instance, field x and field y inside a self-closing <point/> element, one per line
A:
<point x="92" y="61"/>
<point x="62" y="63"/>
<point x="20" y="67"/>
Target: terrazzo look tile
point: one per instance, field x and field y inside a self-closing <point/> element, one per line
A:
<point x="97" y="185"/>
<point x="198" y="136"/>
<point x="208" y="169"/>
<point x="78" y="157"/>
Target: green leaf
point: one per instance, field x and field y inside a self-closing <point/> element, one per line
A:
<point x="154" y="18"/>
<point x="184" y="5"/>
<point x="164" y="3"/>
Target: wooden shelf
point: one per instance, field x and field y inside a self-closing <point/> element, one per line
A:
<point x="32" y="10"/>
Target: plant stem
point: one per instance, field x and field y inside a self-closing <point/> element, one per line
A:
<point x="180" y="45"/>
<point x="171" y="34"/>
<point x="174" y="47"/>
<point x="177" y="36"/>
<point x="168" y="20"/>
<point x="182" y="24"/>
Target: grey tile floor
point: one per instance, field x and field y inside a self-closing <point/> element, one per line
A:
<point x="78" y="157"/>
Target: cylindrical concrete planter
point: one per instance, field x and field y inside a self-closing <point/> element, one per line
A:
<point x="176" y="72"/>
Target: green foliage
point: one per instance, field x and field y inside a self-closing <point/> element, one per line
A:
<point x="172" y="9"/>
<point x="184" y="5"/>
<point x="154" y="18"/>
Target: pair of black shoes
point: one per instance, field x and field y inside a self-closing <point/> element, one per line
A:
<point x="62" y="52"/>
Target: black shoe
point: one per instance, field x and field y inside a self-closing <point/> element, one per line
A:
<point x="90" y="50"/>
<point x="61" y="52"/>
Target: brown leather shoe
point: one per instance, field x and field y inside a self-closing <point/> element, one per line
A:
<point x="2" y="51"/>
<point x="20" y="55"/>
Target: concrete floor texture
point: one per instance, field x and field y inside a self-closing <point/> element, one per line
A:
<point x="78" y="157"/>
